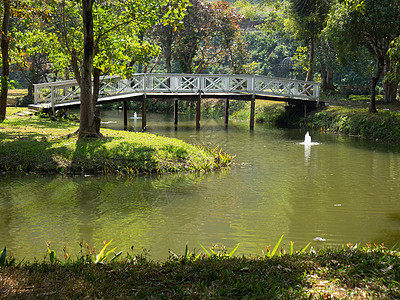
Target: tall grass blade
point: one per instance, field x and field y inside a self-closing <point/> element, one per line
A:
<point x="116" y="256"/>
<point x="100" y="257"/>
<point x="276" y="247"/>
<point x="233" y="251"/>
<point x="186" y="257"/>
<point x="291" y="248"/>
<point x="205" y="250"/>
<point x="304" y="249"/>
<point x="3" y="257"/>
<point x="213" y="252"/>
<point x="395" y="246"/>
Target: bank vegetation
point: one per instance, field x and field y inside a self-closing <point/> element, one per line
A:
<point x="349" y="272"/>
<point x="37" y="144"/>
<point x="341" y="115"/>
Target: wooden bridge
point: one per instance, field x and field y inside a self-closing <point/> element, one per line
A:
<point x="192" y="87"/>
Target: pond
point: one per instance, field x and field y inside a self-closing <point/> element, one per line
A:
<point x="342" y="190"/>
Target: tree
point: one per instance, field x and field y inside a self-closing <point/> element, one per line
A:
<point x="309" y="18"/>
<point x="210" y="35"/>
<point x="103" y="37"/>
<point x="225" y="43"/>
<point x="374" y="25"/>
<point x="198" y="24"/>
<point x="5" y="58"/>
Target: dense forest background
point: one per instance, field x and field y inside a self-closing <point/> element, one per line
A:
<point x="347" y="46"/>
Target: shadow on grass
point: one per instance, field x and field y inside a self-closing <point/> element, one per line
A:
<point x="92" y="156"/>
<point x="204" y="279"/>
<point x="27" y="153"/>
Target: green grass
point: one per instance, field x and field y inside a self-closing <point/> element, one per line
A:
<point x="31" y="144"/>
<point x="351" y="272"/>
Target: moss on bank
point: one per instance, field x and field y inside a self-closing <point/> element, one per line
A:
<point x="31" y="144"/>
<point x="345" y="273"/>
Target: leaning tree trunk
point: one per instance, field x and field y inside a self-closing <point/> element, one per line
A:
<point x="6" y="66"/>
<point x="88" y="125"/>
<point x="374" y="82"/>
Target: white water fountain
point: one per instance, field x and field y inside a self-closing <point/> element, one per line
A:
<point x="307" y="147"/>
<point x="135" y="116"/>
<point x="307" y="141"/>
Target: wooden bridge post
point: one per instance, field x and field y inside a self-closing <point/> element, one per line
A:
<point x="198" y="111"/>
<point x="226" y="111"/>
<point x="125" y="112"/>
<point x="176" y="111"/>
<point x="144" y="101"/>
<point x="252" y="108"/>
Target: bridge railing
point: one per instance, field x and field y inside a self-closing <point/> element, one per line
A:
<point x="69" y="90"/>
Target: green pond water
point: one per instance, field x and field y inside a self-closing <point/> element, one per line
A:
<point x="342" y="190"/>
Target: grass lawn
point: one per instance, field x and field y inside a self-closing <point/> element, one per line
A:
<point x="31" y="144"/>
<point x="371" y="272"/>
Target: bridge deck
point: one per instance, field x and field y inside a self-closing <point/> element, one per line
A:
<point x="192" y="87"/>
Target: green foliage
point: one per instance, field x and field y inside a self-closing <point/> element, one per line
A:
<point x="219" y="252"/>
<point x="271" y="43"/>
<point x="271" y="254"/>
<point x="309" y="17"/>
<point x="8" y="262"/>
<point x="3" y="257"/>
<point x="102" y="256"/>
<point x="58" y="34"/>
<point x="376" y="24"/>
<point x="382" y="126"/>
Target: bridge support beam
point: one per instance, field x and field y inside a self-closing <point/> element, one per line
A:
<point x="176" y="111"/>
<point x="226" y="111"/>
<point x="198" y="112"/>
<point x="144" y="102"/>
<point x="125" y="112"/>
<point x="252" y="109"/>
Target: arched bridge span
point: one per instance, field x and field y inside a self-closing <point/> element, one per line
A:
<point x="64" y="94"/>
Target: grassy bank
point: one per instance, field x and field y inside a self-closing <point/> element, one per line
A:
<point x="383" y="126"/>
<point x="345" y="273"/>
<point x="31" y="144"/>
<point x="349" y="115"/>
<point x="345" y="116"/>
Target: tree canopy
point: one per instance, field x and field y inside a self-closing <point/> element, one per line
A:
<point x="373" y="25"/>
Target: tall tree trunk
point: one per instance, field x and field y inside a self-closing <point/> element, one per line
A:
<point x="168" y="49"/>
<point x="327" y="79"/>
<point x="374" y="82"/>
<point x="4" y="53"/>
<point x="389" y="87"/>
<point x="311" y="61"/>
<point x="87" y="126"/>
